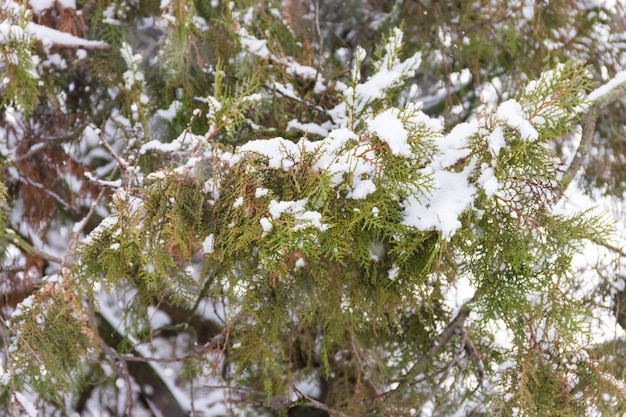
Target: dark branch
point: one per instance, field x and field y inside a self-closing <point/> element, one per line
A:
<point x="420" y="366"/>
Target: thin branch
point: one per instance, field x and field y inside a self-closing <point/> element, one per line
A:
<point x="161" y="399"/>
<point x="34" y="150"/>
<point x="36" y="252"/>
<point x="420" y="366"/>
<point x="121" y="363"/>
<point x="313" y="403"/>
<point x="48" y="192"/>
<point x="588" y="123"/>
<point x="610" y="247"/>
<point x="84" y="221"/>
<point x="317" y="27"/>
<point x="197" y="353"/>
<point x="442" y="379"/>
<point x="473" y="354"/>
<point x="121" y="162"/>
<point x="62" y="39"/>
<point x="307" y="103"/>
<point x="279" y="401"/>
<point x="588" y="129"/>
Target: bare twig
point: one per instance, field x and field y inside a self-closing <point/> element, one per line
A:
<point x="588" y="129"/>
<point x="32" y="151"/>
<point x="84" y="221"/>
<point x="313" y="403"/>
<point x="279" y="401"/>
<point x="35" y="251"/>
<point x="121" y="162"/>
<point x="317" y="27"/>
<point x="48" y="192"/>
<point x="473" y="354"/>
<point x="214" y="343"/>
<point x="442" y="379"/>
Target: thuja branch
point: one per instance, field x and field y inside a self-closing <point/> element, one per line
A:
<point x="279" y="401"/>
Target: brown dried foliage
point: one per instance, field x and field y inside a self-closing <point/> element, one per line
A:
<point x="18" y="281"/>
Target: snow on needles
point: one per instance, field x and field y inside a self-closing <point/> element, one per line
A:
<point x="511" y="113"/>
<point x="390" y="129"/>
<point x="441" y="210"/>
<point x="56" y="37"/>
<point x="616" y="82"/>
<point x="348" y="159"/>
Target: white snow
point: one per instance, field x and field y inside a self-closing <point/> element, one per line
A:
<point x="393" y="272"/>
<point x="171" y="111"/>
<point x="41" y="5"/>
<point x="362" y="189"/>
<point x="617" y="81"/>
<point x="511" y="113"/>
<point x="208" y="244"/>
<point x="253" y="45"/>
<point x="496" y="140"/>
<point x="277" y="208"/>
<point x="186" y="140"/>
<point x="378" y="84"/>
<point x="454" y="146"/>
<point x="133" y="76"/>
<point x="303" y="217"/>
<point x="488" y="181"/>
<point x="260" y="192"/>
<point x="266" y="224"/>
<point x="25" y="403"/>
<point x="67" y="4"/>
<point x="313" y="128"/>
<point x="440" y="210"/>
<point x="8" y="31"/>
<point x="275" y="150"/>
<point x="51" y="36"/>
<point x="390" y="129"/>
<point x="238" y="202"/>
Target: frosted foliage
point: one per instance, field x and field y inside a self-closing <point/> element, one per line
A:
<point x="391" y="73"/>
<point x="348" y="159"/>
<point x="513" y="115"/>
<point x="391" y="130"/>
<point x="441" y="209"/>
<point x="255" y="207"/>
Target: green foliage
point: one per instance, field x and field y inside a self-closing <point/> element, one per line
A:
<point x="16" y="52"/>
<point x="302" y="224"/>
<point x="150" y="260"/>
<point x="53" y="342"/>
<point x="304" y="255"/>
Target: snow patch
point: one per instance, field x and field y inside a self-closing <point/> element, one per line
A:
<point x="390" y="129"/>
<point x="511" y="113"/>
<point x="452" y="194"/>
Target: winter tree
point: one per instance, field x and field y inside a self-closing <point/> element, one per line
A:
<point x="312" y="208"/>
